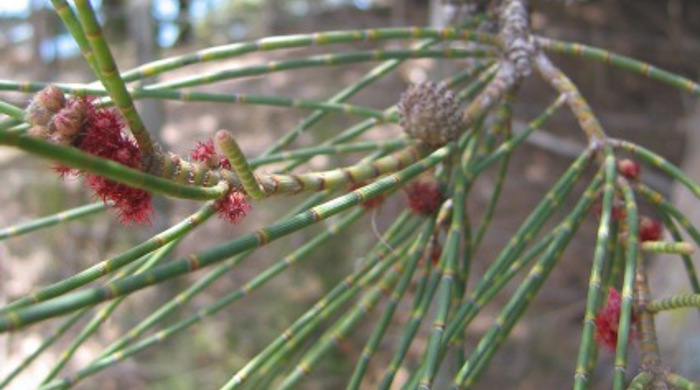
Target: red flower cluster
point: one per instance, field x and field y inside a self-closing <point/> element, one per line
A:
<point x="206" y="153"/>
<point x="102" y="136"/>
<point x="424" y="198"/>
<point x="608" y="320"/>
<point x="650" y="229"/>
<point x="233" y="207"/>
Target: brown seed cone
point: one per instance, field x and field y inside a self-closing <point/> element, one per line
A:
<point x="430" y="112"/>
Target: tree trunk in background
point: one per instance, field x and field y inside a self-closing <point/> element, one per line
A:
<point x="115" y="24"/>
<point x="399" y="15"/>
<point x="44" y="28"/>
<point x="183" y="22"/>
<point x="679" y="338"/>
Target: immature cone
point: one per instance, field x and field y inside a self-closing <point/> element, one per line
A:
<point x="430" y="113"/>
<point x="44" y="105"/>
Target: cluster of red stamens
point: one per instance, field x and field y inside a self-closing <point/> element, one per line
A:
<point x="97" y="131"/>
<point x="234" y="206"/>
<point x="607" y="320"/>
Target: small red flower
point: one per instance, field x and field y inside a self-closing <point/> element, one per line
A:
<point x="424" y="198"/>
<point x="206" y="153"/>
<point x="233" y="207"/>
<point x="650" y="229"/>
<point x="629" y="168"/>
<point x="369" y="204"/>
<point x="607" y="320"/>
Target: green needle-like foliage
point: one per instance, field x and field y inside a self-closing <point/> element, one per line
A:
<point x="409" y="301"/>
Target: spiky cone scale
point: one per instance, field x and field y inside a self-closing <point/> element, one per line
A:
<point x="431" y="113"/>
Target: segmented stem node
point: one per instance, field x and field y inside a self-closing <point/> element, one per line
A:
<point x="229" y="147"/>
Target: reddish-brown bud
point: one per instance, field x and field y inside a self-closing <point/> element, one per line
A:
<point x="44" y="105"/>
<point x="51" y="98"/>
<point x="650" y="229"/>
<point x="629" y="169"/>
<point x="424" y="198"/>
<point x="38" y="131"/>
<point x="69" y="121"/>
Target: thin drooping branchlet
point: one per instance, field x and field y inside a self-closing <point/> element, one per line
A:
<point x="671" y="248"/>
<point x="673" y="303"/>
<point x="595" y="282"/>
<point x="103" y="314"/>
<point x="339" y="294"/>
<point x="508" y="316"/>
<point x="630" y="270"/>
<point x="414" y="255"/>
<point x="113" y="83"/>
<point x="51" y="220"/>
<point x="112" y="264"/>
<point x="579" y="106"/>
<point x="630" y="64"/>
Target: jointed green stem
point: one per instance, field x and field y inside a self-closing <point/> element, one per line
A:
<point x="65" y="12"/>
<point x="349" y="320"/>
<point x="110" y="265"/>
<point x="318" y="61"/>
<point x="641" y="381"/>
<point x="448" y="261"/>
<point x="525" y="293"/>
<point x="621" y="61"/>
<point x="668" y="214"/>
<point x="43" y="222"/>
<point x="229" y="147"/>
<point x="414" y="255"/>
<point x="631" y="249"/>
<point x="109" y="169"/>
<point x="11" y="111"/>
<point x="680" y="248"/>
<point x="324" y="307"/>
<point x="109" y="75"/>
<point x="77" y="300"/>
<point x="333" y="150"/>
<point x="659" y="162"/>
<point x="302" y="40"/>
<point x="578" y="105"/>
<point x="105" y="312"/>
<point x="596" y="279"/>
<point x="674" y="302"/>
<point x="185" y="296"/>
<point x="681" y="383"/>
